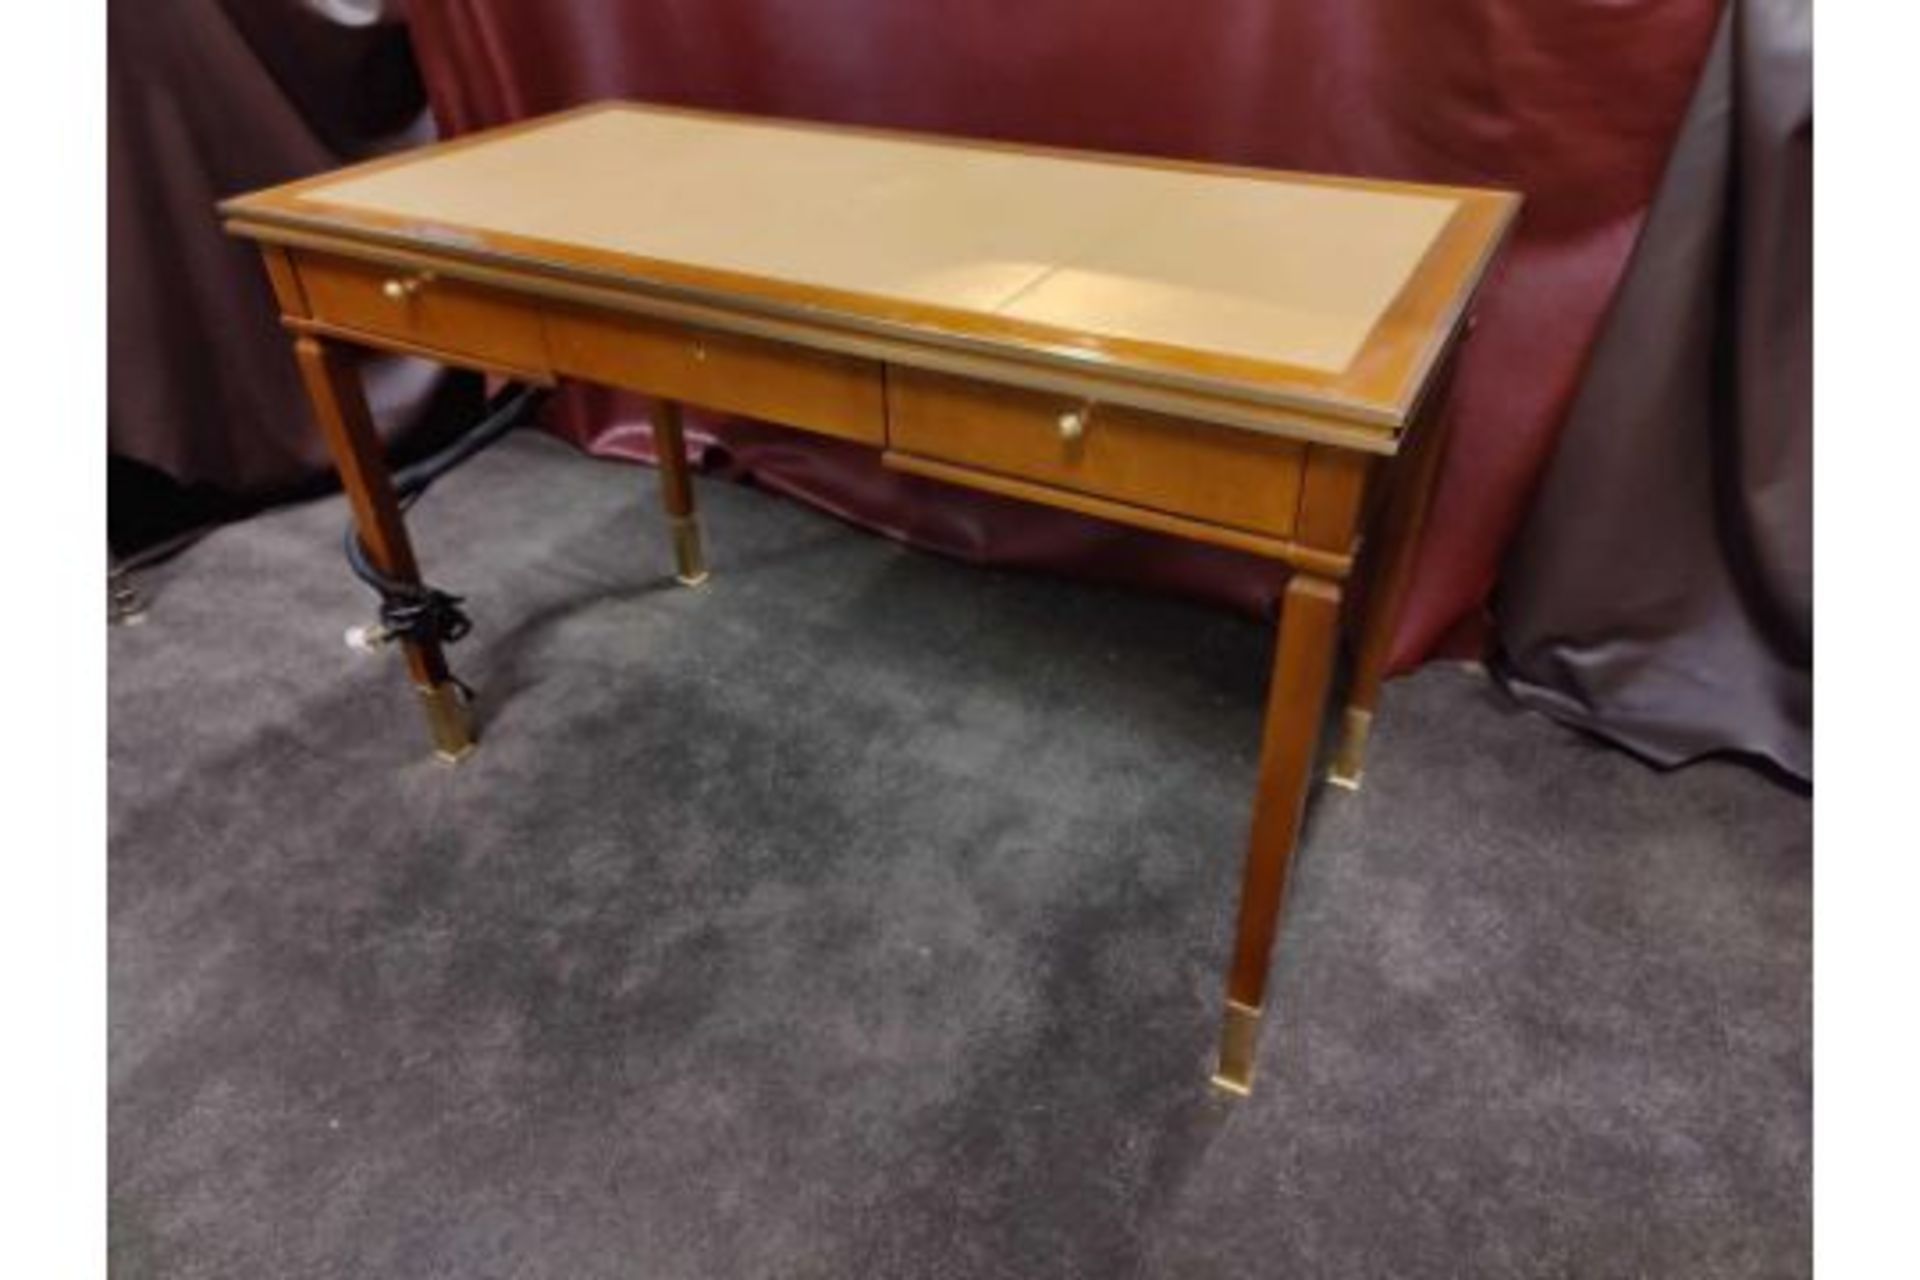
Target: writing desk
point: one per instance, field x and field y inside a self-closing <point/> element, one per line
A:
<point x="1235" y="356"/>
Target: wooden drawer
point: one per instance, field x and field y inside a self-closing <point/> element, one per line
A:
<point x="1219" y="475"/>
<point x="467" y="322"/>
<point x="835" y="395"/>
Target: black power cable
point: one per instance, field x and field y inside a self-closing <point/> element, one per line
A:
<point x="416" y="611"/>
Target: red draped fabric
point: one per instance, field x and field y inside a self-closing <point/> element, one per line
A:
<point x="1575" y="104"/>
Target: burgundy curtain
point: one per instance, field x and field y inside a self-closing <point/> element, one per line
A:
<point x="1661" y="592"/>
<point x="1576" y="104"/>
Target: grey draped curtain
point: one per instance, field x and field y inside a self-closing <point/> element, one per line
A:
<point x="1660" y="593"/>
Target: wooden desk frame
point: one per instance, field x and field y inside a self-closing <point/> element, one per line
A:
<point x="1358" y="476"/>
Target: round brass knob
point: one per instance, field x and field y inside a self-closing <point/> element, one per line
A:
<point x="699" y="351"/>
<point x="401" y="288"/>
<point x="1072" y="425"/>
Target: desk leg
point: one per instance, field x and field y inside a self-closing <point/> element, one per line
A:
<point x="1303" y="663"/>
<point x="1389" y="573"/>
<point x="341" y="408"/>
<point x="676" y="494"/>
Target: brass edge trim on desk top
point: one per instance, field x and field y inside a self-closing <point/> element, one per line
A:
<point x="1270" y="413"/>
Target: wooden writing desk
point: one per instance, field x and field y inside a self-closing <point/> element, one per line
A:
<point x="1235" y="356"/>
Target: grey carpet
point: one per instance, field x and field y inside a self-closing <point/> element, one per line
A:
<point x="864" y="915"/>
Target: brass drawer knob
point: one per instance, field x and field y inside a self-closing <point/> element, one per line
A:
<point x="401" y="288"/>
<point x="1072" y="425"/>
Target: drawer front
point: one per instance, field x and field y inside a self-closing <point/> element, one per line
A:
<point x="1220" y="475"/>
<point x="436" y="313"/>
<point x="818" y="391"/>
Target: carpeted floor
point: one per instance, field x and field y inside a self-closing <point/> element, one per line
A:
<point x="864" y="915"/>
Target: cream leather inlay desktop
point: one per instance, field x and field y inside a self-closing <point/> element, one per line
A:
<point x="1293" y="273"/>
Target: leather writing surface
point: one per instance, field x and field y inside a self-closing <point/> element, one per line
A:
<point x="1293" y="272"/>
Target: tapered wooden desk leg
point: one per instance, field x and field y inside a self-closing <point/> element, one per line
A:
<point x="1389" y="571"/>
<point x="676" y="494"/>
<point x="341" y="408"/>
<point x="1302" y="669"/>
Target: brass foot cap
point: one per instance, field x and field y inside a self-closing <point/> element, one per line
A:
<point x="1239" y="1035"/>
<point x="1238" y="1088"/>
<point x="1350" y="756"/>
<point x="690" y="562"/>
<point x="447" y="721"/>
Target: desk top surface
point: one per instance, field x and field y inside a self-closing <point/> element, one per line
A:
<point x="1334" y="295"/>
